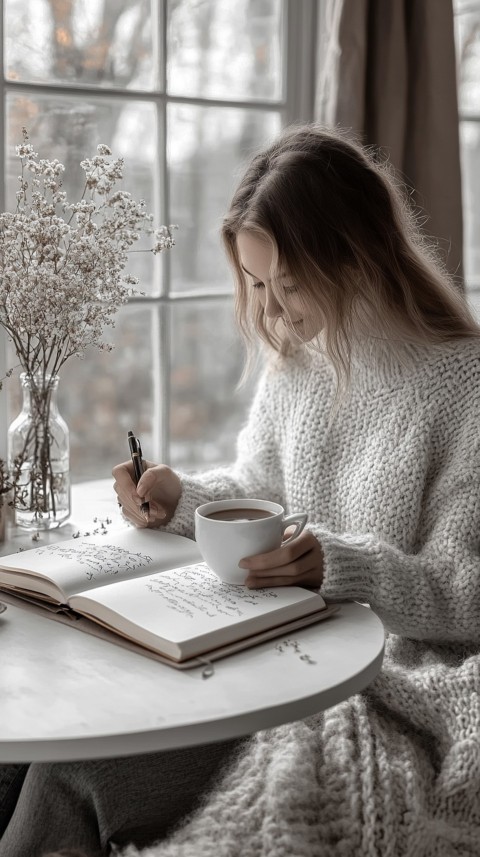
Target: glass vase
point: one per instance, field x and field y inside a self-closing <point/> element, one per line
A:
<point x="39" y="456"/>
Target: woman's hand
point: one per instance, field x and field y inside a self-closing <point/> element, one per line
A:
<point x="159" y="486"/>
<point x="299" y="563"/>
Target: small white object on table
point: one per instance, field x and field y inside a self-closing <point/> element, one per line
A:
<point x="66" y="695"/>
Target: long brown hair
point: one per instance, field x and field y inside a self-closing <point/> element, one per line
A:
<point x="341" y="226"/>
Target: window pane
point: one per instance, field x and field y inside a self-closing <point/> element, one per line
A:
<point x="207" y="361"/>
<point x="70" y="129"/>
<point x="89" y="42"/>
<point x="467" y="34"/>
<point x="205" y="146"/>
<point x="224" y="49"/>
<point x="104" y="395"/>
<point x="470" y="154"/>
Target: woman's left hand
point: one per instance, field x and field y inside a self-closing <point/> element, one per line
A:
<point x="300" y="563"/>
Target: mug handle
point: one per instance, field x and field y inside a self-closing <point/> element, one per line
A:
<point x="299" y="519"/>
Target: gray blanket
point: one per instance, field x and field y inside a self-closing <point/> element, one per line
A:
<point x="391" y="772"/>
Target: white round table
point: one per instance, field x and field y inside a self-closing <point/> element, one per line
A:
<point x="66" y="695"/>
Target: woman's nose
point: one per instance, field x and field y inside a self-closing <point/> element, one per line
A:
<point x="272" y="307"/>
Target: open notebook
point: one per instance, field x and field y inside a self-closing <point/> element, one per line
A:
<point x="153" y="589"/>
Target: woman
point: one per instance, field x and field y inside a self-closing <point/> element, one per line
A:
<point x="367" y="416"/>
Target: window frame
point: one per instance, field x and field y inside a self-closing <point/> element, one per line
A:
<point x="296" y="105"/>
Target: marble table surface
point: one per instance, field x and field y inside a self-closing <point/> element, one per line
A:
<point x="67" y="695"/>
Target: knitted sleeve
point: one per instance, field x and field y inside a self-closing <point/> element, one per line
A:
<point x="257" y="471"/>
<point x="434" y="593"/>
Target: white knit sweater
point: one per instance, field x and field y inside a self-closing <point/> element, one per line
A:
<point x="392" y="490"/>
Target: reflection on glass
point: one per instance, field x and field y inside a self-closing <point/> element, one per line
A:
<point x="70" y="128"/>
<point x="229" y="50"/>
<point x="104" y="395"/>
<point x="207" y="360"/>
<point x="470" y="154"/>
<point x="206" y="148"/>
<point x="89" y="42"/>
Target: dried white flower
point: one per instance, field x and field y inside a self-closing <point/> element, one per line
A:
<point x="62" y="264"/>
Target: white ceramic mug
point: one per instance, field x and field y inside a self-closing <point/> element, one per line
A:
<point x="224" y="543"/>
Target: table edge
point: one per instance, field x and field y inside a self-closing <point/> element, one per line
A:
<point x="185" y="735"/>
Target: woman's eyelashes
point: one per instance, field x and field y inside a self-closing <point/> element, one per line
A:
<point x="288" y="290"/>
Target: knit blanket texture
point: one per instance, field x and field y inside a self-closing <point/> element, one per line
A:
<point x="391" y="772"/>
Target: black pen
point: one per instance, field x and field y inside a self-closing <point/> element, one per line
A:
<point x="136" y="453"/>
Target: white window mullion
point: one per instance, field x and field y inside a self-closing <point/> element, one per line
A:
<point x="162" y="359"/>
<point x="4" y="417"/>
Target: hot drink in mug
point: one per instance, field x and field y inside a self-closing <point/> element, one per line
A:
<point x="227" y="531"/>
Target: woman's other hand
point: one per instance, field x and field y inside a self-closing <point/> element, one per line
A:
<point x="159" y="486"/>
<point x="300" y="563"/>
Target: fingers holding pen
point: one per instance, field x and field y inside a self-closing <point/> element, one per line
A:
<point x="158" y="485"/>
<point x="154" y="513"/>
<point x="128" y="498"/>
<point x="161" y="488"/>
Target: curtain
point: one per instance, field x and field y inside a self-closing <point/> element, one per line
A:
<point x="387" y="71"/>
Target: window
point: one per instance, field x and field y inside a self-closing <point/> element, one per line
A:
<point x="184" y="90"/>
<point x="467" y="34"/>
